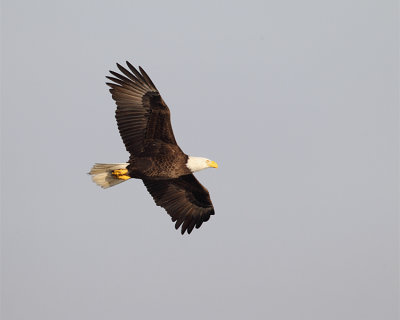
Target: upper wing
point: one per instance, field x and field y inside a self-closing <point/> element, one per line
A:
<point x="185" y="200"/>
<point x="141" y="112"/>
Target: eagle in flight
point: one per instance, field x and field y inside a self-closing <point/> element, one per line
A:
<point x="144" y="124"/>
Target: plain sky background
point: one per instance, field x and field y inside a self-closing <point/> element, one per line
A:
<point x="297" y="101"/>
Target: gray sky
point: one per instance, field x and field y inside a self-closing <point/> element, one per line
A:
<point x="297" y="101"/>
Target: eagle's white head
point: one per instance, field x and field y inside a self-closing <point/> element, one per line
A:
<point x="197" y="163"/>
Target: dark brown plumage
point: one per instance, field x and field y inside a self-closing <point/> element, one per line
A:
<point x="144" y="124"/>
<point x="185" y="200"/>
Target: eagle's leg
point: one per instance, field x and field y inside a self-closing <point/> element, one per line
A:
<point x="121" y="174"/>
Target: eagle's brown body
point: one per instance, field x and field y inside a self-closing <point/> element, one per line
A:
<point x="144" y="124"/>
<point x="159" y="161"/>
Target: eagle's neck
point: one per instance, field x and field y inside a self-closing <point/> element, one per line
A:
<point x="197" y="163"/>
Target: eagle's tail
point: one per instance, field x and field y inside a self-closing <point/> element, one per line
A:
<point x="107" y="175"/>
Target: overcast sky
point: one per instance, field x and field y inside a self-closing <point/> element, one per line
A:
<point x="297" y="101"/>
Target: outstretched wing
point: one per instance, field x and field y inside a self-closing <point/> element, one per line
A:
<point x="185" y="199"/>
<point x="142" y="115"/>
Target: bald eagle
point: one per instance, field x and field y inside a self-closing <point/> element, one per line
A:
<point x="144" y="124"/>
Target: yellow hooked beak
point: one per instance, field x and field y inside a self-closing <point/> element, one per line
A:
<point x="212" y="164"/>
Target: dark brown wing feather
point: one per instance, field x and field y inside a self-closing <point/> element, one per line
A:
<point x="185" y="199"/>
<point x="141" y="114"/>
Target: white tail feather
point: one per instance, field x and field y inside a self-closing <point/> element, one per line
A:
<point x="102" y="174"/>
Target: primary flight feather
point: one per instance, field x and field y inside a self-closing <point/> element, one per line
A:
<point x="144" y="124"/>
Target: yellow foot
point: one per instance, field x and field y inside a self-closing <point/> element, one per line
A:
<point x="121" y="174"/>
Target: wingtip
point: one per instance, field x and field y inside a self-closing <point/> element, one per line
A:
<point x="130" y="65"/>
<point x="121" y="68"/>
<point x="142" y="71"/>
<point x="109" y="79"/>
